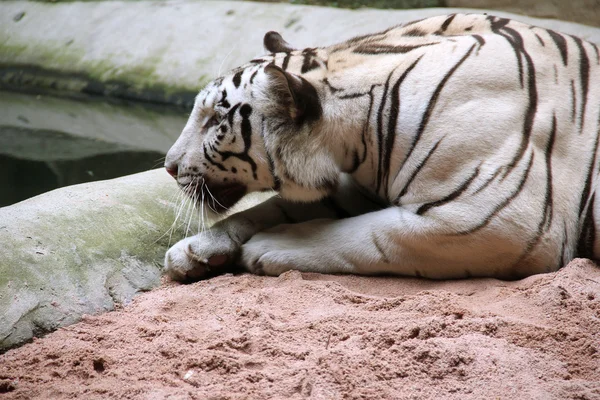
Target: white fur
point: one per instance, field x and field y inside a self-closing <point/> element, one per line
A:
<point x="501" y="223"/>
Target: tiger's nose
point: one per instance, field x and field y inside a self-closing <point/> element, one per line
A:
<point x="172" y="170"/>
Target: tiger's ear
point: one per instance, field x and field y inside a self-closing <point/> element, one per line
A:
<point x="292" y="95"/>
<point x="274" y="43"/>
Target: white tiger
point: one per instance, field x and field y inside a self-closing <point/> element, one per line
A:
<point x="450" y="147"/>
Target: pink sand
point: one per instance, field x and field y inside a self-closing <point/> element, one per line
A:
<point x="328" y="337"/>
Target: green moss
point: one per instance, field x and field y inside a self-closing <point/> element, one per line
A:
<point x="395" y="4"/>
<point x="354" y="4"/>
<point x="62" y="71"/>
<point x="134" y="226"/>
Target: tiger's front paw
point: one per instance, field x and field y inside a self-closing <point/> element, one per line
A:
<point x="270" y="254"/>
<point x="195" y="257"/>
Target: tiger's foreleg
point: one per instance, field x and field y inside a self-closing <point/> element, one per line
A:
<point x="389" y="241"/>
<point x="219" y="248"/>
<point x="358" y="245"/>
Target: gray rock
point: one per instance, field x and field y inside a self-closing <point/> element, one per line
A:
<point x="85" y="248"/>
<point x="166" y="51"/>
<point x="113" y="127"/>
<point x="81" y="250"/>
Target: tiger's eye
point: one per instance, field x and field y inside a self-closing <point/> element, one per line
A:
<point x="213" y="121"/>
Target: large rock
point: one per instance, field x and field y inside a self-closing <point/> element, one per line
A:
<point x="166" y="51"/>
<point x="81" y="249"/>
<point x="113" y="127"/>
<point x="84" y="249"/>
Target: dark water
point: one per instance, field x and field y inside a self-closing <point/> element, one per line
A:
<point x="47" y="143"/>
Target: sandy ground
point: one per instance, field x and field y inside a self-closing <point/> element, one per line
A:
<point x="328" y="337"/>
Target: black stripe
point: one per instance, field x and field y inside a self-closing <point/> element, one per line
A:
<point x="390" y="138"/>
<point x="345" y="96"/>
<point x="587" y="237"/>
<point x="361" y="38"/>
<point x="457" y="192"/>
<point x="563" y="249"/>
<point x="331" y="87"/>
<point x="375" y="48"/>
<point x="223" y="102"/>
<point x="588" y="182"/>
<point x="597" y="52"/>
<point x="490" y="180"/>
<point x="584" y="76"/>
<point x="416" y="171"/>
<point x="549" y="209"/>
<point x="355" y="162"/>
<point x="309" y="63"/>
<point x="573" y="101"/>
<point x="446" y="24"/>
<point x="364" y="38"/>
<point x="412" y="22"/>
<point x="365" y="131"/>
<point x="379" y="249"/>
<point x="253" y="76"/>
<point x="547" y="212"/>
<point x="237" y="78"/>
<point x="245" y="111"/>
<point x="415" y="32"/>
<point x="479" y="39"/>
<point x="516" y="41"/>
<point x="352" y="96"/>
<point x="231" y="114"/>
<point x="540" y="40"/>
<point x="246" y="130"/>
<point x="433" y="101"/>
<point x="561" y="43"/>
<point x="286" y="61"/>
<point x="208" y="158"/>
<point x="512" y="37"/>
<point x="504" y="203"/>
<point x="276" y="180"/>
<point x="380" y="128"/>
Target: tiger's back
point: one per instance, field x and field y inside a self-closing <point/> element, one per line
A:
<point x="483" y="131"/>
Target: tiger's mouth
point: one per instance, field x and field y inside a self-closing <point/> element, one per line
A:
<point x="217" y="197"/>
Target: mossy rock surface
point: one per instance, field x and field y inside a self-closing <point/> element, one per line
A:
<point x="81" y="250"/>
<point x="166" y="51"/>
<point x="86" y="248"/>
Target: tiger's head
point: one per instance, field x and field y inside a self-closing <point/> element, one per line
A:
<point x="260" y="128"/>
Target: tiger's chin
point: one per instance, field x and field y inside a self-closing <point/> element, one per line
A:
<point x="218" y="198"/>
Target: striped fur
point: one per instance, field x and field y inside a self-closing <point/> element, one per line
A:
<point x="454" y="146"/>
